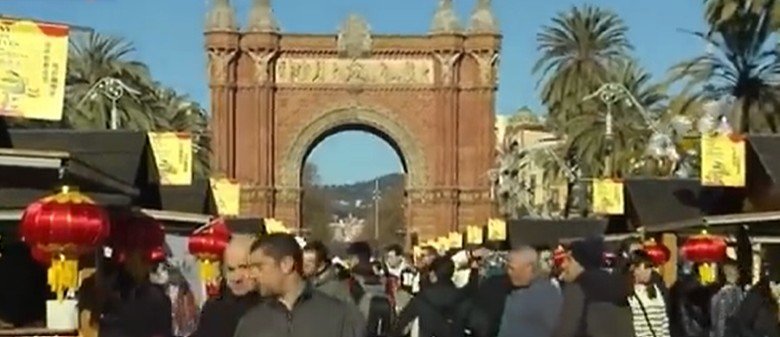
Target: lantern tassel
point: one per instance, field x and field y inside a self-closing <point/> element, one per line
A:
<point x="63" y="276"/>
<point x="707" y="273"/>
<point x="209" y="270"/>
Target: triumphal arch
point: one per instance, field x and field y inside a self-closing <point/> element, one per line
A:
<point x="275" y="95"/>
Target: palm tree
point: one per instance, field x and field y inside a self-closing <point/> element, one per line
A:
<point x="576" y="50"/>
<point x="94" y="57"/>
<point x="742" y="62"/>
<point x="719" y="13"/>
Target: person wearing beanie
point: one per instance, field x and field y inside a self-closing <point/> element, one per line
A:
<point x="595" y="302"/>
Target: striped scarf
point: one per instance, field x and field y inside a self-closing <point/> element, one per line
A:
<point x="650" y="318"/>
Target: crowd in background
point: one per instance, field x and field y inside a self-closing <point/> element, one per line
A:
<point x="274" y="286"/>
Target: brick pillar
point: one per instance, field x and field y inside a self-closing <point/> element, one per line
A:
<point x="222" y="49"/>
<point x="255" y="127"/>
<point x="448" y="51"/>
<point x="476" y="137"/>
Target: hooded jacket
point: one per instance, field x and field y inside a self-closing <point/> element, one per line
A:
<point x="434" y="305"/>
<point x="595" y="305"/>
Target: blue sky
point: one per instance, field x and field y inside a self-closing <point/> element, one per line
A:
<point x="168" y="37"/>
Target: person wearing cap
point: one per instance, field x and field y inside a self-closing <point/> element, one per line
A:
<point x="595" y="302"/>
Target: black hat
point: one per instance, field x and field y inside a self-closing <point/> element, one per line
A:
<point x="589" y="253"/>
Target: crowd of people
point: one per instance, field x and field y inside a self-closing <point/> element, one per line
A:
<point x="273" y="286"/>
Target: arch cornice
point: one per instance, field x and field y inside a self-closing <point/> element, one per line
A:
<point x="373" y="117"/>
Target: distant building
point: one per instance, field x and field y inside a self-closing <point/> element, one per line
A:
<point x="348" y="229"/>
<point x="526" y="132"/>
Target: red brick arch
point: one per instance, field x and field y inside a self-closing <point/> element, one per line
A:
<point x="430" y="96"/>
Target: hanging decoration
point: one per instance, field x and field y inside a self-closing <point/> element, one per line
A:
<point x="61" y="227"/>
<point x="658" y="253"/>
<point x="608" y="196"/>
<point x="173" y="157"/>
<point x="208" y="245"/>
<point x="496" y="230"/>
<point x="706" y="250"/>
<point x="723" y="160"/>
<point x="227" y="196"/>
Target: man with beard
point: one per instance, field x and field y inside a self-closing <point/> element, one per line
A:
<point x="221" y="315"/>
<point x="293" y="308"/>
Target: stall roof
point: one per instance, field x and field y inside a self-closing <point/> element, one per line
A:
<point x="42" y="170"/>
<point x="653" y="201"/>
<point x="765" y="147"/>
<point x="193" y="198"/>
<point x="549" y="232"/>
<point x="118" y="153"/>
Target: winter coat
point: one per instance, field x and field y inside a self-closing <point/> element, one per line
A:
<point x="595" y="305"/>
<point x="220" y="316"/>
<point x="436" y="305"/>
<point x="329" y="283"/>
<point x="757" y="316"/>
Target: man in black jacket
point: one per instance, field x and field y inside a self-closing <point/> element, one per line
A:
<point x="293" y="308"/>
<point x="220" y="316"/>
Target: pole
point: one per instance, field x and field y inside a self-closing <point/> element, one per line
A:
<point x="114" y="116"/>
<point x="610" y="143"/>
<point x="376" y="210"/>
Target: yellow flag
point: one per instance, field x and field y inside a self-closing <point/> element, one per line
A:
<point x="275" y="226"/>
<point x="608" y="196"/>
<point x="227" y="196"/>
<point x="474" y="235"/>
<point x="456" y="240"/>
<point x="444" y="243"/>
<point x="496" y="230"/>
<point x="33" y="60"/>
<point x="723" y="160"/>
<point x="173" y="156"/>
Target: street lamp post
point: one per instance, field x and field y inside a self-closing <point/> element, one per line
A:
<point x="610" y="94"/>
<point x="376" y="197"/>
<point x="113" y="89"/>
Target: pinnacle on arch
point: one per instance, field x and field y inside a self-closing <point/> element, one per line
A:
<point x="482" y="19"/>
<point x="221" y="16"/>
<point x="261" y="17"/>
<point x="445" y="20"/>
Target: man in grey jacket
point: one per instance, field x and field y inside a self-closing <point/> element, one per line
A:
<point x="533" y="309"/>
<point x="293" y="307"/>
<point x="322" y="274"/>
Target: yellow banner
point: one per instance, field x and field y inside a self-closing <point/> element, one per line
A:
<point x="496" y="230"/>
<point x="275" y="226"/>
<point x="227" y="196"/>
<point x="474" y="235"/>
<point x="173" y="156"/>
<point x="456" y="240"/>
<point x="723" y="160"/>
<point x="608" y="196"/>
<point x="33" y="60"/>
<point x="443" y="243"/>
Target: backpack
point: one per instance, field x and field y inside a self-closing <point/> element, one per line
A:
<point x="377" y="308"/>
<point x="451" y="320"/>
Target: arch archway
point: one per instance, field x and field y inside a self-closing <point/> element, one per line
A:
<point x="355" y="118"/>
<point x="431" y="96"/>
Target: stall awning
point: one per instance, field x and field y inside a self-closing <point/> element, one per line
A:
<point x="765" y="148"/>
<point x="43" y="170"/>
<point x="549" y="232"/>
<point x="656" y="201"/>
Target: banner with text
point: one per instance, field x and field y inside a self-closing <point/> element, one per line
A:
<point x="33" y="60"/>
<point x="723" y="160"/>
<point x="173" y="156"/>
<point x="608" y="196"/>
<point x="227" y="196"/>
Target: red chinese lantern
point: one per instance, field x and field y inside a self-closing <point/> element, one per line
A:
<point x="138" y="234"/>
<point x="61" y="227"/>
<point x="707" y="250"/>
<point x="658" y="253"/>
<point x="207" y="246"/>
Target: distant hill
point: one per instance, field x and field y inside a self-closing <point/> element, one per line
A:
<point x="352" y="198"/>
